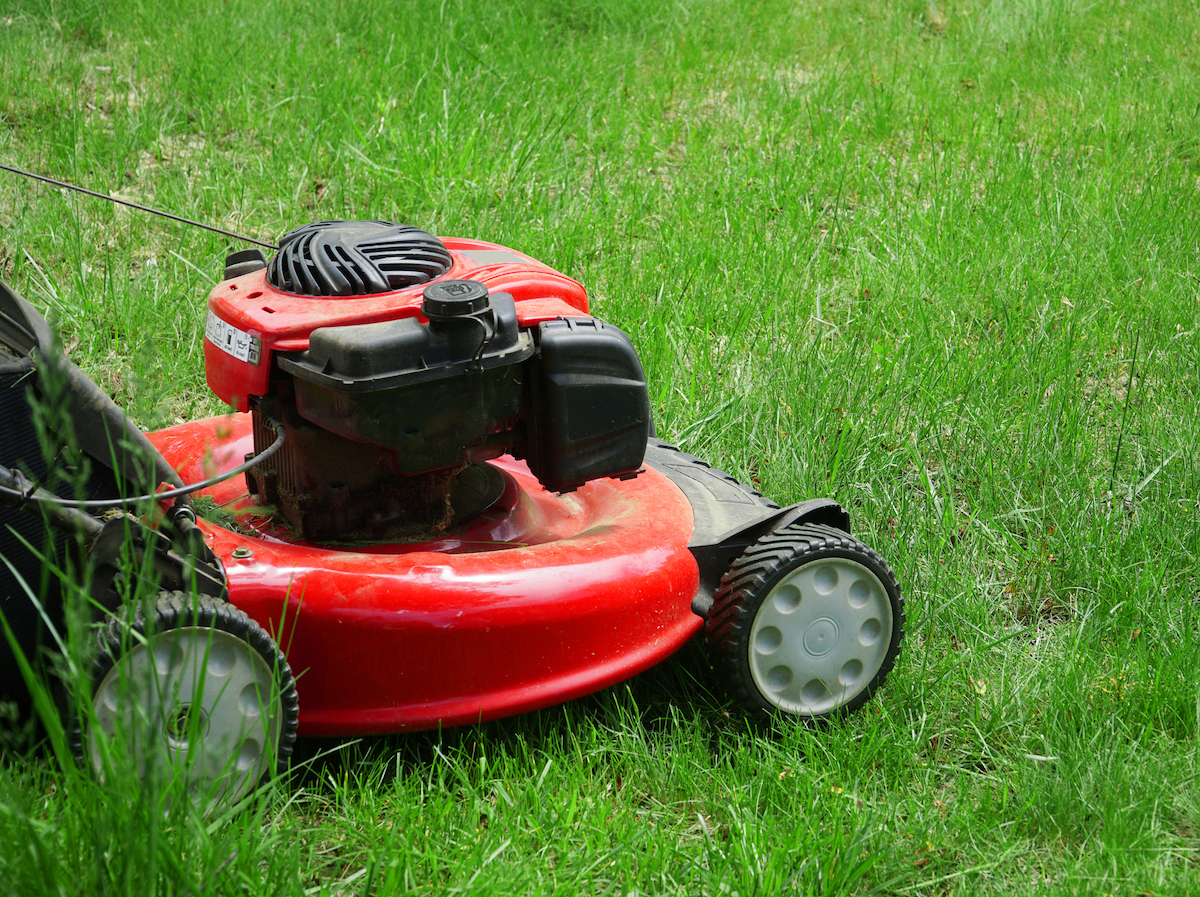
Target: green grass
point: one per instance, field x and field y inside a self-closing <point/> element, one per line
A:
<point x="939" y="261"/>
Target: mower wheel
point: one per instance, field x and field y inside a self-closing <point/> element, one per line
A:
<point x="807" y="622"/>
<point x="199" y="690"/>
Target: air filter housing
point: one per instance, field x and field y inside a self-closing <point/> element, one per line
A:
<point x="356" y="258"/>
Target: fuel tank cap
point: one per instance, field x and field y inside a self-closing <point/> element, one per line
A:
<point x="454" y="299"/>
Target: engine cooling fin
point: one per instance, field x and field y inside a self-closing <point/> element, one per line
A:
<point x="356" y="258"/>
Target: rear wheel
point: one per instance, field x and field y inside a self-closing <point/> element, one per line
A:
<point x="198" y="690"/>
<point x="808" y="622"/>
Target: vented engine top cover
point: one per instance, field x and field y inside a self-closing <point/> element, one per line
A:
<point x="356" y="258"/>
<point x="333" y="274"/>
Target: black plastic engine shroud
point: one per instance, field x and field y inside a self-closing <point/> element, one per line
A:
<point x="384" y="421"/>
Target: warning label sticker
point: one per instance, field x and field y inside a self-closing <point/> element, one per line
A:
<point x="228" y="338"/>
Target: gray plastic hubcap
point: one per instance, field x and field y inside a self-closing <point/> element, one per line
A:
<point x="193" y="701"/>
<point x="820" y="636"/>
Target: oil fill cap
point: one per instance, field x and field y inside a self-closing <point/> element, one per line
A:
<point x="454" y="298"/>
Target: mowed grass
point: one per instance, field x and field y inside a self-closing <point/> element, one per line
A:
<point x="940" y="261"/>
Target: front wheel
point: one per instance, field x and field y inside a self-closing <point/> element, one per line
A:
<point x="807" y="622"/>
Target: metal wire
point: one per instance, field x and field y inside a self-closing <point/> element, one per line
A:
<point x="32" y="493"/>
<point x="140" y="208"/>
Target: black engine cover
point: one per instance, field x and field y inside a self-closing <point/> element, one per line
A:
<point x="356" y="258"/>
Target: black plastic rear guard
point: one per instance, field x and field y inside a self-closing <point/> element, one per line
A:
<point x="729" y="516"/>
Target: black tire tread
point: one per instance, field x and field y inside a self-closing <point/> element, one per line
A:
<point x="729" y="478"/>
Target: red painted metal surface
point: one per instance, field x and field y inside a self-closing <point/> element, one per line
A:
<point x="541" y="599"/>
<point x="283" y="321"/>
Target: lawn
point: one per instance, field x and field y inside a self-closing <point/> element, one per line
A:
<point x="937" y="260"/>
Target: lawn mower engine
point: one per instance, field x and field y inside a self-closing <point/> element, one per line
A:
<point x="399" y="395"/>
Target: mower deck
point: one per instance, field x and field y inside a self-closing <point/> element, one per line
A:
<point x="540" y="599"/>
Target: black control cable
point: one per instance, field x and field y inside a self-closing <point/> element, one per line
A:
<point x="19" y="490"/>
<point x="133" y="205"/>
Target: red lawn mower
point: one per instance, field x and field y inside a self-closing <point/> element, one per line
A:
<point x="440" y="501"/>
